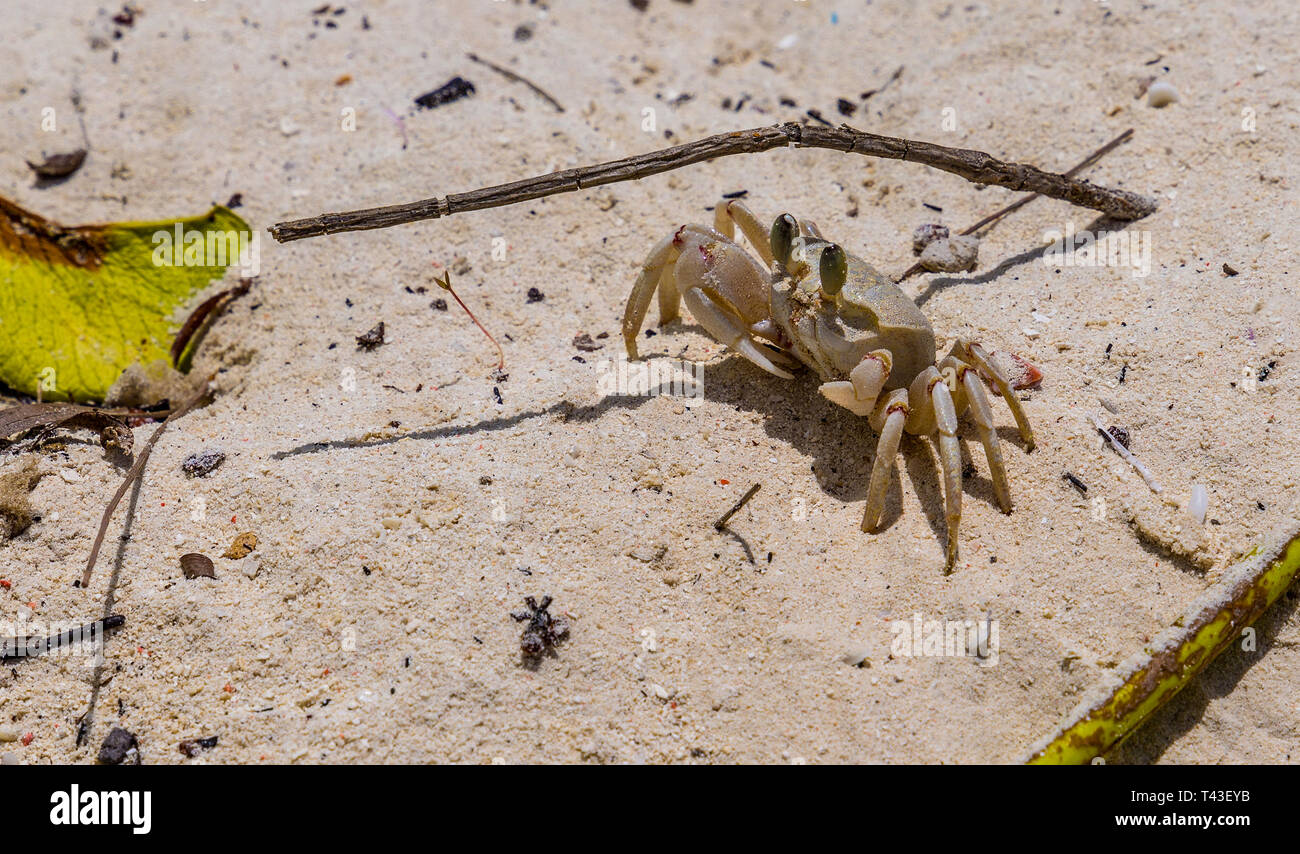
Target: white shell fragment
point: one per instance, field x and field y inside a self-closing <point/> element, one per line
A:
<point x="956" y="254"/>
<point x="1198" y="503"/>
<point x="1161" y="94"/>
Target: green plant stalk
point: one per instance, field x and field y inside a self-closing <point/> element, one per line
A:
<point x="1116" y="708"/>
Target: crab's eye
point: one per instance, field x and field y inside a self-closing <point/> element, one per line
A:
<point x="784" y="231"/>
<point x="834" y="269"/>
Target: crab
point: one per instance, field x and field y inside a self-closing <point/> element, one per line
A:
<point x="806" y="300"/>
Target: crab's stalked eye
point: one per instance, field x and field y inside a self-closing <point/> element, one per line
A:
<point x="834" y="269"/>
<point x="784" y="231"/>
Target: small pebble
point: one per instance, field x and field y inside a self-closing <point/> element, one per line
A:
<point x="956" y="254"/>
<point x="856" y="656"/>
<point x="118" y="746"/>
<point x="8" y="759"/>
<point x="243" y="545"/>
<point x="250" y="566"/>
<point x="1161" y="94"/>
<point x="203" y="463"/>
<point x="8" y="733"/>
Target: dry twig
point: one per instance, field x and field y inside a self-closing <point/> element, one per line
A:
<point x="972" y="165"/>
<point x="744" y="499"/>
<point x="517" y="78"/>
<point x="1126" y="454"/>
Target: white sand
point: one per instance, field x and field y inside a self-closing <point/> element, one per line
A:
<point x="681" y="649"/>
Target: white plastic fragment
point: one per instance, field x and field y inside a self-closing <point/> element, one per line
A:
<point x="1126" y="454"/>
<point x="1198" y="503"/>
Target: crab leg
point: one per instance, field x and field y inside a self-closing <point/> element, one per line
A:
<point x="657" y="267"/>
<point x="982" y="413"/>
<point x="669" y="297"/>
<point x="975" y="354"/>
<point x="893" y="409"/>
<point x="657" y="264"/>
<point x="945" y="416"/>
<point x="729" y="213"/>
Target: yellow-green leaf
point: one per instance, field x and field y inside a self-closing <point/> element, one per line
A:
<point x="79" y="305"/>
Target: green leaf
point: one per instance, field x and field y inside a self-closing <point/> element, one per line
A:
<point x="79" y="305"/>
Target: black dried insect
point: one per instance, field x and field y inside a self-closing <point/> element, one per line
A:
<point x="543" y="631"/>
<point x="371" y="339"/>
<point x="534" y="295"/>
<point x="584" y="343"/>
<point x="192" y="747"/>
<point x="453" y="90"/>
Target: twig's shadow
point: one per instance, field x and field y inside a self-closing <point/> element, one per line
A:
<point x="87" y="722"/>
<point x="1007" y="264"/>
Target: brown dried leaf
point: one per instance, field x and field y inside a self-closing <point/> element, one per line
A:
<point x="113" y="431"/>
<point x="59" y="165"/>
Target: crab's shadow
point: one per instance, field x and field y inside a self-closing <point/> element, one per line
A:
<point x="840" y="445"/>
